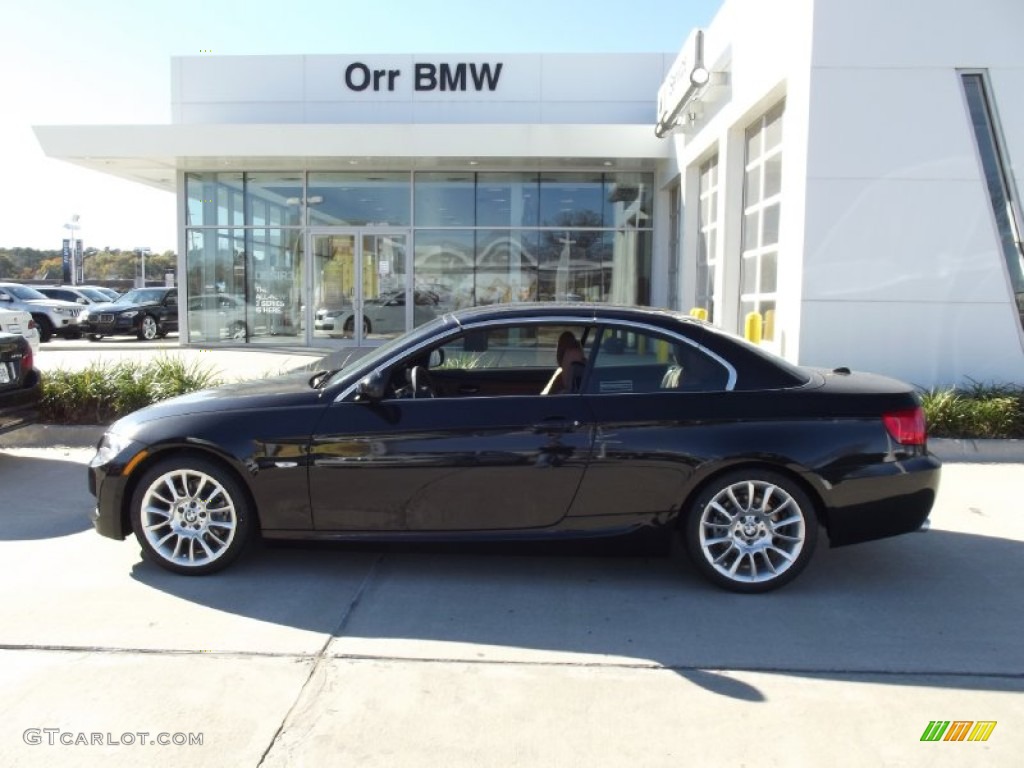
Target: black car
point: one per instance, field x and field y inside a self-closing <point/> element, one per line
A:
<point x="147" y="313"/>
<point x="20" y="387"/>
<point x="469" y="428"/>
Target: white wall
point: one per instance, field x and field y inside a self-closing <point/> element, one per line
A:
<point x="889" y="257"/>
<point x="903" y="272"/>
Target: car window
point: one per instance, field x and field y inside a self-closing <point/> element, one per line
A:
<point x="507" y="360"/>
<point x="507" y="348"/>
<point x="632" y="361"/>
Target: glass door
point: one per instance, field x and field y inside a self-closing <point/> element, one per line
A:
<point x="359" y="285"/>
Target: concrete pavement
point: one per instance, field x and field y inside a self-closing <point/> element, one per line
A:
<point x="459" y="656"/>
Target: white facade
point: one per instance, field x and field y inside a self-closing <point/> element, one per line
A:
<point x="889" y="256"/>
<point x="857" y="221"/>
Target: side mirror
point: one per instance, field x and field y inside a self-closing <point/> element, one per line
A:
<point x="81" y="300"/>
<point x="436" y="359"/>
<point x="370" y="388"/>
<point x="5" y="297"/>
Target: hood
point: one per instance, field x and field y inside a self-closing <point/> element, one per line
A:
<point x="259" y="395"/>
<point x="54" y="304"/>
<point x="110" y="306"/>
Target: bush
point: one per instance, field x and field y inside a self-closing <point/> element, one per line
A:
<point x="103" y="392"/>
<point x="976" y="412"/>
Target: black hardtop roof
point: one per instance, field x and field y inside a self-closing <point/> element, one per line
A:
<point x="585" y="311"/>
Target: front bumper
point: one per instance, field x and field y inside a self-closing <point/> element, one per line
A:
<point x="117" y="325"/>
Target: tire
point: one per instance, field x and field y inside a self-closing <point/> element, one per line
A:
<point x="148" y="329"/>
<point x="350" y="326"/>
<point x="191" y="516"/>
<point x="45" y="328"/>
<point x="94" y="337"/>
<point x="751" y="531"/>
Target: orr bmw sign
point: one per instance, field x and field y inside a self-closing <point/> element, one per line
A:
<point x="426" y="76"/>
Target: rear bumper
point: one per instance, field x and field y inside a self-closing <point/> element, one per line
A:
<point x="18" y="406"/>
<point x="889" y="500"/>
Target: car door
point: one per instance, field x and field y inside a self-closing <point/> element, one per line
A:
<point x="170" y="311"/>
<point x="448" y="463"/>
<point x="654" y="398"/>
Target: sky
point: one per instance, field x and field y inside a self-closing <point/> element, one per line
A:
<point x="107" y="62"/>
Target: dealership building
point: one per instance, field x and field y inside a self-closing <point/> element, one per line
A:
<point x="835" y="180"/>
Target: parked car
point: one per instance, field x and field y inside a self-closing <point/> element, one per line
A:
<point x="219" y="315"/>
<point x="143" y="312"/>
<point x="669" y="425"/>
<point x="53" y="317"/>
<point x="20" y="383"/>
<point x="79" y="294"/>
<point x="385" y="314"/>
<point x="110" y="293"/>
<point x="21" y="323"/>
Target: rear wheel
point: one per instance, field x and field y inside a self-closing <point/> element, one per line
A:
<point x="751" y="531"/>
<point x="191" y="516"/>
<point x="94" y="337"/>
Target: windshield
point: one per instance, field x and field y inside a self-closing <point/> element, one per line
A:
<point x="23" y="292"/>
<point x="141" y="296"/>
<point x="379" y="354"/>
<point x="92" y="295"/>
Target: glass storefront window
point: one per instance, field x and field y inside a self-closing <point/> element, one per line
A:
<point x="443" y="263"/>
<point x="478" y="238"/>
<point x="627" y="200"/>
<point x="281" y="192"/>
<point x="507" y="199"/>
<point x="345" y="199"/>
<point x="572" y="199"/>
<point x="445" y="200"/>
<point x="506" y="266"/>
<point x="212" y="198"/>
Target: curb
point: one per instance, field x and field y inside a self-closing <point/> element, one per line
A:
<point x="965" y="451"/>
<point x="52" y="436"/>
<point x="949" y="450"/>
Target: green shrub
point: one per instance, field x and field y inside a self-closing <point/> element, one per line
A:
<point x="104" y="392"/>
<point x="978" y="411"/>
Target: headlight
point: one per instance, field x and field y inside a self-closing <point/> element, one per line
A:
<point x="130" y="313"/>
<point x="84" y="315"/>
<point x="63" y="311"/>
<point x="110" y="447"/>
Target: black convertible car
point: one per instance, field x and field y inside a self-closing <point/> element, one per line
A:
<point x="530" y="422"/>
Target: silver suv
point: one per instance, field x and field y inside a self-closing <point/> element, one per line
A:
<point x="53" y="316"/>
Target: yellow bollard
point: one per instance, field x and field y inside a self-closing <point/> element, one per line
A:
<point x="769" y="324"/>
<point x="700" y="313"/>
<point x="752" y="327"/>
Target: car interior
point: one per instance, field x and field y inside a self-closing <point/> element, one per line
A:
<point x="556" y="359"/>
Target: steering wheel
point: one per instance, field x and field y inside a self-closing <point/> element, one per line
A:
<point x="419" y="382"/>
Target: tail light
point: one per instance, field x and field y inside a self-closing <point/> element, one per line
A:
<point x="27" y="362"/>
<point x="906" y="427"/>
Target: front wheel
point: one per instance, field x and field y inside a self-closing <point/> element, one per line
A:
<point x="148" y="329"/>
<point x="191" y="516"/>
<point x="751" y="531"/>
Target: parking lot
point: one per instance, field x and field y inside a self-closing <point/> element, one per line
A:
<point x="452" y="656"/>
